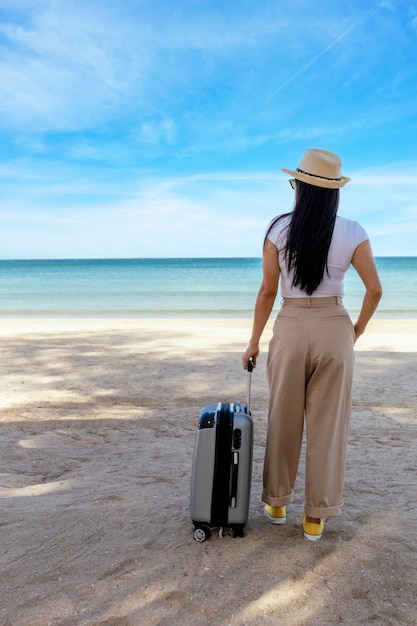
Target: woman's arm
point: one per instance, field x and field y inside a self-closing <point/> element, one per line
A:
<point x="265" y="300"/>
<point x="364" y="264"/>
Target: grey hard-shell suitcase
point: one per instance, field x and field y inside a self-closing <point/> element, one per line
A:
<point x="222" y="468"/>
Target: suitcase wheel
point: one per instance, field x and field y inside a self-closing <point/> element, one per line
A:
<point x="201" y="533"/>
<point x="236" y="531"/>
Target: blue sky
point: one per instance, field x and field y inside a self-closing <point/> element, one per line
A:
<point x="152" y="128"/>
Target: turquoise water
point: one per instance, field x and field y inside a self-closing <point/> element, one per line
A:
<point x="172" y="288"/>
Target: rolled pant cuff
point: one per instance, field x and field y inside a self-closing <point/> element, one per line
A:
<point x="281" y="501"/>
<point x="323" y="512"/>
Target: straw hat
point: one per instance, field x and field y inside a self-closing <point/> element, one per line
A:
<point x="320" y="168"/>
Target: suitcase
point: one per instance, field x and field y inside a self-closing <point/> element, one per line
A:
<point x="222" y="468"/>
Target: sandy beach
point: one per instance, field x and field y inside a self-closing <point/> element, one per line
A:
<point x="98" y="419"/>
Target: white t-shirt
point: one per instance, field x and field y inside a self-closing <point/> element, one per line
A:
<point x="347" y="236"/>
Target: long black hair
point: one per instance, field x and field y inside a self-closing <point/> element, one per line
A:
<point x="309" y="234"/>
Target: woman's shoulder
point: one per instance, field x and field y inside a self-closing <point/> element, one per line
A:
<point x="346" y="227"/>
<point x="345" y="220"/>
<point x="345" y="223"/>
<point x="279" y="223"/>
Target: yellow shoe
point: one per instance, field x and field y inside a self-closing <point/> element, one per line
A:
<point x="312" y="530"/>
<point x="275" y="514"/>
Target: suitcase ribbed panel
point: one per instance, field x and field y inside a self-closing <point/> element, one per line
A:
<point x="222" y="465"/>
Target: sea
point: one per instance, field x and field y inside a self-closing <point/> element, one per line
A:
<point x="172" y="288"/>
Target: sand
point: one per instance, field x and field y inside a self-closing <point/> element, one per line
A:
<point x="98" y="419"/>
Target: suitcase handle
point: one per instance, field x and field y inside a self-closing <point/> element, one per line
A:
<point x="250" y="370"/>
<point x="234" y="481"/>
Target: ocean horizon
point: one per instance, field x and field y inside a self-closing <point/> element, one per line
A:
<point x="169" y="287"/>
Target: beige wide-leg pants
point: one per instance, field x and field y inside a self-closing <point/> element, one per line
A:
<point x="310" y="369"/>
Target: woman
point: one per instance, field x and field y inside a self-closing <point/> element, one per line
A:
<point x="310" y="358"/>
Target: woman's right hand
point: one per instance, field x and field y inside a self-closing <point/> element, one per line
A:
<point x="252" y="352"/>
<point x="264" y="301"/>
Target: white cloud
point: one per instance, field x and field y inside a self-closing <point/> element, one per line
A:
<point x="217" y="214"/>
<point x="69" y="65"/>
<point x="383" y="199"/>
<point x="158" y="132"/>
<point x="413" y="18"/>
<point x="223" y="215"/>
<point x="140" y="91"/>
